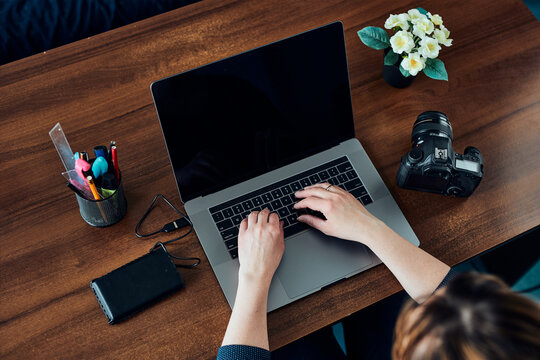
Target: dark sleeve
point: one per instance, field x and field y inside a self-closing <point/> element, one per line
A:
<point x="451" y="274"/>
<point x="242" y="352"/>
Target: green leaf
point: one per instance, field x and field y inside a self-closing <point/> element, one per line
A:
<point x="391" y="58"/>
<point x="422" y="11"/>
<point x="435" y="69"/>
<point x="404" y="72"/>
<point x="374" y="37"/>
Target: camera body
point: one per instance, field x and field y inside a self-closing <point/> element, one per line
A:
<point x="433" y="166"/>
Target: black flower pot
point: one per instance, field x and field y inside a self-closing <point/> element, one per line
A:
<point x="393" y="76"/>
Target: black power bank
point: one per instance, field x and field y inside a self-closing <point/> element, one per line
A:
<point x="136" y="285"/>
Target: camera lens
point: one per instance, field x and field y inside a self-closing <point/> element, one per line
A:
<point x="431" y="122"/>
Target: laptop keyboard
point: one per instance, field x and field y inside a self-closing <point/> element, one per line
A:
<point x="279" y="198"/>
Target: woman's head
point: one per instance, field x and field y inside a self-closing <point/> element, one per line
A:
<point x="475" y="317"/>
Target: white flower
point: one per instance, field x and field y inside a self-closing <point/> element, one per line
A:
<point x="413" y="63"/>
<point x="423" y="27"/>
<point x="442" y="36"/>
<point x="429" y="47"/>
<point x="402" y="41"/>
<point x="397" y="21"/>
<point x="436" y="19"/>
<point x="415" y="15"/>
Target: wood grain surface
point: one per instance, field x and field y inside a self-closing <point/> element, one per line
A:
<point x="98" y="89"/>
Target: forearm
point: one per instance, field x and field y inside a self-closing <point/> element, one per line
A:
<point x="418" y="272"/>
<point x="247" y="325"/>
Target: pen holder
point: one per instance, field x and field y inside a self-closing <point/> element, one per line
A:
<point x="102" y="213"/>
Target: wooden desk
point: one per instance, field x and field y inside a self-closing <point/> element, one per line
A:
<point x="98" y="88"/>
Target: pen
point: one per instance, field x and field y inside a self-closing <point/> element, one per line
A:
<point x="115" y="162"/>
<point x="109" y="157"/>
<point x="93" y="187"/>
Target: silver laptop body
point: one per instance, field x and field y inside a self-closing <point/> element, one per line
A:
<point x="311" y="260"/>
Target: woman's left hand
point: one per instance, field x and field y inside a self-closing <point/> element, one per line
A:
<point x="260" y="246"/>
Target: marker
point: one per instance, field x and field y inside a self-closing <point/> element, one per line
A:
<point x="81" y="166"/>
<point x="99" y="167"/>
<point x="93" y="188"/>
<point x="100" y="151"/>
<point x="108" y="185"/>
<point x="114" y="156"/>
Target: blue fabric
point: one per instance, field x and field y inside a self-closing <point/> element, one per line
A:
<point x="242" y="352"/>
<point x="28" y="27"/>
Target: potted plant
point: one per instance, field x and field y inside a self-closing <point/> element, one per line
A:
<point x="414" y="47"/>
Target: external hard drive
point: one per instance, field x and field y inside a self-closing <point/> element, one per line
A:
<point x="136" y="285"/>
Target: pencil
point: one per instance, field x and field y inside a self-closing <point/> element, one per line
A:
<point x="93" y="188"/>
<point x="96" y="197"/>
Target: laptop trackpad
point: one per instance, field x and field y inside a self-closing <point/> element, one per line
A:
<point x="313" y="260"/>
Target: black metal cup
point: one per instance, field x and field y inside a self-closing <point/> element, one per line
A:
<point x="105" y="212"/>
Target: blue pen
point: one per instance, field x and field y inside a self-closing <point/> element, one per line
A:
<point x="100" y="151"/>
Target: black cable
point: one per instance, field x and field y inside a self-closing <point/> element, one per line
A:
<point x="196" y="259"/>
<point x="166" y="227"/>
<point x="177" y="224"/>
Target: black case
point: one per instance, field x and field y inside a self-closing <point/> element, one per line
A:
<point x="136" y="285"/>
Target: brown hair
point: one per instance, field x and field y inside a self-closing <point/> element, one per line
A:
<point x="476" y="316"/>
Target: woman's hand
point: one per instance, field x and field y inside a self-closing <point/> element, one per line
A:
<point x="346" y="217"/>
<point x="260" y="246"/>
<point x="418" y="272"/>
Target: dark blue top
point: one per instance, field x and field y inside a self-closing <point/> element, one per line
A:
<point x="244" y="352"/>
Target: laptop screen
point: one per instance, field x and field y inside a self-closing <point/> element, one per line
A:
<point x="240" y="117"/>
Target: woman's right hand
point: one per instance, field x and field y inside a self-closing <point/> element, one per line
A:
<point x="418" y="272"/>
<point x="346" y="217"/>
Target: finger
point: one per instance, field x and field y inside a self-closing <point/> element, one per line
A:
<point x="313" y="203"/>
<point x="313" y="221"/>
<point x="323" y="185"/>
<point x="263" y="215"/>
<point x="243" y="225"/>
<point x="273" y="218"/>
<point x="315" y="191"/>
<point x="252" y="217"/>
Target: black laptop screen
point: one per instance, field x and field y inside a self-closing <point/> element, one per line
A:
<point x="234" y="119"/>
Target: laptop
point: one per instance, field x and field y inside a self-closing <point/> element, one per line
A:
<point x="246" y="132"/>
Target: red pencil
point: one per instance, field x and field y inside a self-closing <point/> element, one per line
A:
<point x="115" y="162"/>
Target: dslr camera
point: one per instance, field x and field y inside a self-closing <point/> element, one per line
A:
<point x="433" y="166"/>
